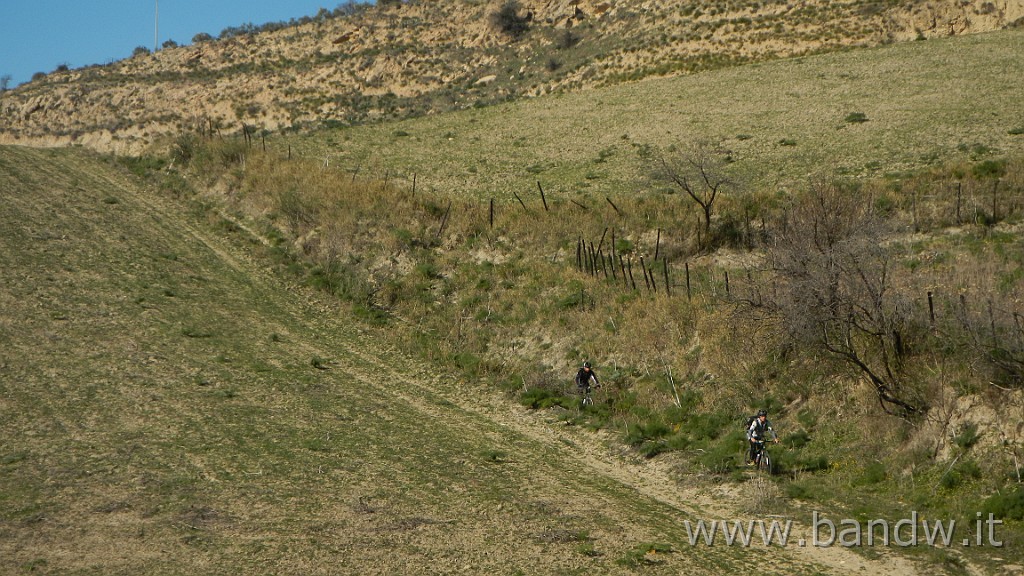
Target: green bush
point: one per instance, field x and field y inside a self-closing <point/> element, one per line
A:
<point x="798" y="439"/>
<point x="641" y="433"/>
<point x="989" y="169"/>
<point x="1006" y="505"/>
<point x="856" y="117"/>
<point x="508" y="20"/>
<point x="963" y="472"/>
<point x="874" y="473"/>
<point x="540" y="398"/>
<point x="723" y="456"/>
<point x="968" y="436"/>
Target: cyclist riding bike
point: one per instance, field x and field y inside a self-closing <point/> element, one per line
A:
<point x="586" y="379"/>
<point x="759" y="431"/>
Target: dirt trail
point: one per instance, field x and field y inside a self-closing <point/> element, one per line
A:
<point x="470" y="406"/>
<point x="544" y="450"/>
<point x="595" y="453"/>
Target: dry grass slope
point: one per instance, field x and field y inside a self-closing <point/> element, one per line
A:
<point x="167" y="405"/>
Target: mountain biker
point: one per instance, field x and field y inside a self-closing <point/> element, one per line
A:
<point x="758" y="432"/>
<point x="584" y="377"/>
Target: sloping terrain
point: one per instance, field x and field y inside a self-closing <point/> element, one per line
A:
<point x="858" y="113"/>
<point x="425" y="57"/>
<point x="169" y="406"/>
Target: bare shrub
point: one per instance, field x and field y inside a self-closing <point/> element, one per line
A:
<point x="835" y="290"/>
<point x="699" y="171"/>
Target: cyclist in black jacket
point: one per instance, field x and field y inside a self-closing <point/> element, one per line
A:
<point x="584" y="377"/>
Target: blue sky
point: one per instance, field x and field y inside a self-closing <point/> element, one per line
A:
<point x="39" y="35"/>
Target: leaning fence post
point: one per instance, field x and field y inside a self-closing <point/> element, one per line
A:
<point x="542" y="198"/>
<point x="616" y="208"/>
<point x="520" y="200"/>
<point x="593" y="260"/>
<point x="444" y="220"/>
<point x="603" y="234"/>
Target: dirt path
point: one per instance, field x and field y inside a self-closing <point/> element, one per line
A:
<point x="551" y="497"/>
<point x="472" y="407"/>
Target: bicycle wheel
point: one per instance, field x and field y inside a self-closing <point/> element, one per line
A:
<point x="588" y="401"/>
<point x="765" y="462"/>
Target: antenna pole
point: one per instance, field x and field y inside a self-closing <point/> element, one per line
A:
<point x="156" y="26"/>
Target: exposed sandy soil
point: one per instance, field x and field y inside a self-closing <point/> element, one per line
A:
<point x="429" y="57"/>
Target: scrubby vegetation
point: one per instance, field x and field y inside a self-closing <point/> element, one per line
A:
<point x="864" y="317"/>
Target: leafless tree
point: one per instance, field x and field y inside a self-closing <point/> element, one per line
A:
<point x="700" y="172"/>
<point x="835" y="290"/>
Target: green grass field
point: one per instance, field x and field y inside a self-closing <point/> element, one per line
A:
<point x="867" y="112"/>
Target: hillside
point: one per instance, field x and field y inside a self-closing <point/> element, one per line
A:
<point x="342" y="341"/>
<point x="168" y="405"/>
<point x="426" y="57"/>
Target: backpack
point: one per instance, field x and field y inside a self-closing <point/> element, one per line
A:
<point x="749" y="421"/>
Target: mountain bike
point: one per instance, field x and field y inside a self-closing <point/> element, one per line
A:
<point x="587" y="400"/>
<point x="762" y="460"/>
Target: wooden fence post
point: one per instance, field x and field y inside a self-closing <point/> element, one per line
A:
<point x="647" y="279"/>
<point x="689" y="292"/>
<point x="601" y="243"/>
<point x="444" y="220"/>
<point x="616" y="208"/>
<point x="491" y="214"/>
<point x="632" y="281"/>
<point x="542" y="198"/>
<point x="593" y="260"/>
<point x="959" y="197"/>
<point x="520" y="200"/>
<point x="931" y="309"/>
<point x="995" y="203"/>
<point x="657" y="245"/>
